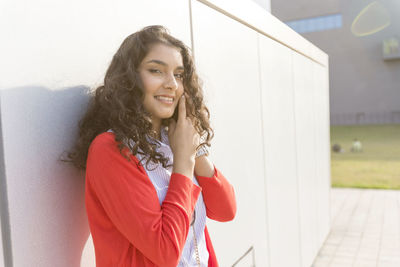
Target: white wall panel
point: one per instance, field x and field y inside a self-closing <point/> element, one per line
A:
<point x="57" y="46"/>
<point x="280" y="152"/>
<point x="68" y="43"/>
<point x="226" y="54"/>
<point x="306" y="159"/>
<point x="322" y="151"/>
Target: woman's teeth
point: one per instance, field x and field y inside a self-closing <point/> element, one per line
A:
<point x="165" y="99"/>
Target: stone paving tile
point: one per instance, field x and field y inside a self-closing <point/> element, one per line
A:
<point x="388" y="263"/>
<point x="364" y="263"/>
<point x="365" y="229"/>
<point x="342" y="261"/>
<point x="321" y="262"/>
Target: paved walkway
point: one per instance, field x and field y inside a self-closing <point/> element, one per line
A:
<point x="365" y="229"/>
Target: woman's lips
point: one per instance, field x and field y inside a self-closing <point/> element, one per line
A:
<point x="165" y="99"/>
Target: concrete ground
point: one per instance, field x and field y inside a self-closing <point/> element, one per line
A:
<point x="365" y="229"/>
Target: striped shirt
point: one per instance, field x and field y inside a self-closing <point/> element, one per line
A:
<point x="160" y="177"/>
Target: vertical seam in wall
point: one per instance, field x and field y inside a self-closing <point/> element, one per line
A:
<point x="263" y="148"/>
<point x="191" y="29"/>
<point x="4" y="212"/>
<point x="316" y="180"/>
<point x="296" y="161"/>
<point x="329" y="145"/>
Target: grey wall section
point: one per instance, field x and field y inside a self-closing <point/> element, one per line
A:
<point x="5" y="244"/>
<point x="363" y="87"/>
<point x="48" y="225"/>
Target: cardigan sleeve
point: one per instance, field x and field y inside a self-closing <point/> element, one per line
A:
<point x="130" y="200"/>
<point x="219" y="197"/>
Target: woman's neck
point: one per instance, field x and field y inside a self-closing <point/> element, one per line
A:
<point x="157" y="128"/>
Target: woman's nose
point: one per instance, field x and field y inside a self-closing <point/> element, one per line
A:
<point x="170" y="82"/>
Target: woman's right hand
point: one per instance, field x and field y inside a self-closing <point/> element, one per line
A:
<point x="183" y="140"/>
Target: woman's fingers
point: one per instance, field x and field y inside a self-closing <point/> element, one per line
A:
<point x="171" y="127"/>
<point x="182" y="109"/>
<point x="182" y="135"/>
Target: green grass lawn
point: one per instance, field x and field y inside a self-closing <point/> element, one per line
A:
<point x="378" y="166"/>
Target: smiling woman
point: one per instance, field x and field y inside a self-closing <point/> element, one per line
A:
<point x="161" y="73"/>
<point x="149" y="182"/>
<point x="145" y="61"/>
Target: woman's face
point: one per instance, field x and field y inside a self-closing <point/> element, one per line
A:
<point x="161" y="73"/>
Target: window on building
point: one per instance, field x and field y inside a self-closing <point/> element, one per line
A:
<point x="321" y="23"/>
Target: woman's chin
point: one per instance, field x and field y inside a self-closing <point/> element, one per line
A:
<point x="166" y="116"/>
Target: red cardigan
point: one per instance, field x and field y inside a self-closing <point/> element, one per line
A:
<point x="127" y="223"/>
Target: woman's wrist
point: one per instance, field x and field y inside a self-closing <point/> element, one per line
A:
<point x="184" y="167"/>
<point x="204" y="167"/>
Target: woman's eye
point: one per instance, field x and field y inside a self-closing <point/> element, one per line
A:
<point x="179" y="75"/>
<point x="154" y="71"/>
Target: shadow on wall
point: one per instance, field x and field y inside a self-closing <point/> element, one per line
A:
<point x="46" y="219"/>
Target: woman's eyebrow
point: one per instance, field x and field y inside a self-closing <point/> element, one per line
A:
<point x="163" y="63"/>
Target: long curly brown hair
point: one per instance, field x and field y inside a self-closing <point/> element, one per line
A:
<point x="118" y="104"/>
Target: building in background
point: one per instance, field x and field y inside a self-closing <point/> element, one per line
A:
<point x="362" y="40"/>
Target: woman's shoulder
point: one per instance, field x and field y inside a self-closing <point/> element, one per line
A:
<point x="105" y="160"/>
<point x="105" y="143"/>
<point x="105" y="140"/>
<point x="104" y="149"/>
